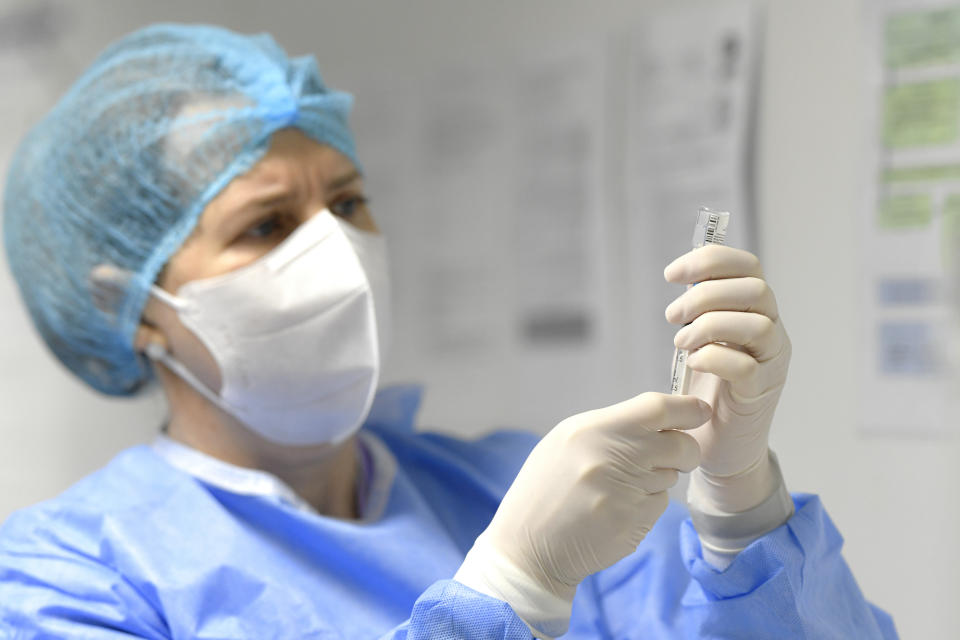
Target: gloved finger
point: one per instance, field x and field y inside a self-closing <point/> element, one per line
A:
<point x="733" y="294"/>
<point x="651" y="481"/>
<point x="713" y="262"/>
<point x="673" y="449"/>
<point x="726" y="363"/>
<point x="655" y="411"/>
<point x="759" y="335"/>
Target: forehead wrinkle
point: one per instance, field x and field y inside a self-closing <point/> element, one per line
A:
<point x="263" y="183"/>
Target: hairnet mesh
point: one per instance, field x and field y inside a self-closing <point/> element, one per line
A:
<point x="119" y="171"/>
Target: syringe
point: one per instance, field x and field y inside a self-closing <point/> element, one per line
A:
<point x="711" y="228"/>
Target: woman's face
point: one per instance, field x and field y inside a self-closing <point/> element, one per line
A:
<point x="295" y="179"/>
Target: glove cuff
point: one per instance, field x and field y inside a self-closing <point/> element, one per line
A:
<point x="723" y="534"/>
<point x="487" y="571"/>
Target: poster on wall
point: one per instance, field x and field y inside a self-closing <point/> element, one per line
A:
<point x="912" y="217"/>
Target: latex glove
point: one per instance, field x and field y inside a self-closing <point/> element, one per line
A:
<point x="586" y="496"/>
<point x="739" y="359"/>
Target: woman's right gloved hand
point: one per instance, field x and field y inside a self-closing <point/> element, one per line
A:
<point x="586" y="496"/>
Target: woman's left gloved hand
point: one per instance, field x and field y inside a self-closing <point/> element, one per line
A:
<point x="739" y="358"/>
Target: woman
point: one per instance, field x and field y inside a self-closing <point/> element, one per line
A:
<point x="193" y="209"/>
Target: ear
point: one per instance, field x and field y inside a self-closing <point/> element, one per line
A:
<point x="149" y="330"/>
<point x="148" y="335"/>
<point x="108" y="286"/>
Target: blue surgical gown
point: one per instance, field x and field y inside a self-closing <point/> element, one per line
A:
<point x="141" y="549"/>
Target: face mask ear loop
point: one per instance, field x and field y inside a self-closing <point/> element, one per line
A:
<point x="157" y="353"/>
<point x="167" y="298"/>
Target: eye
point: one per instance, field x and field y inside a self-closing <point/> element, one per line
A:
<point x="349" y="206"/>
<point x="262" y="229"/>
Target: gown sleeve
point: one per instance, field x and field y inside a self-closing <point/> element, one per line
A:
<point x="791" y="583"/>
<point x="49" y="589"/>
<point x="449" y="610"/>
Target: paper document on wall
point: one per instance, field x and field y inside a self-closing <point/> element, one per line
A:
<point x="912" y="213"/>
<point x="693" y="86"/>
<point x="494" y="180"/>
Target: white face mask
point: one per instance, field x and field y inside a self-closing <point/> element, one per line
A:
<point x="295" y="334"/>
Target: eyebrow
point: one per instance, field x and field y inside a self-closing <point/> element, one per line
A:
<point x="276" y="195"/>
<point x="342" y="181"/>
<point x="271" y="196"/>
<point x="267" y="200"/>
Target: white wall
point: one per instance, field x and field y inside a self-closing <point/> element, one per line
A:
<point x="894" y="499"/>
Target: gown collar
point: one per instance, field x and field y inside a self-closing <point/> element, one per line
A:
<point x="378" y="469"/>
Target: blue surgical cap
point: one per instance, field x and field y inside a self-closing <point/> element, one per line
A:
<point x="114" y="178"/>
